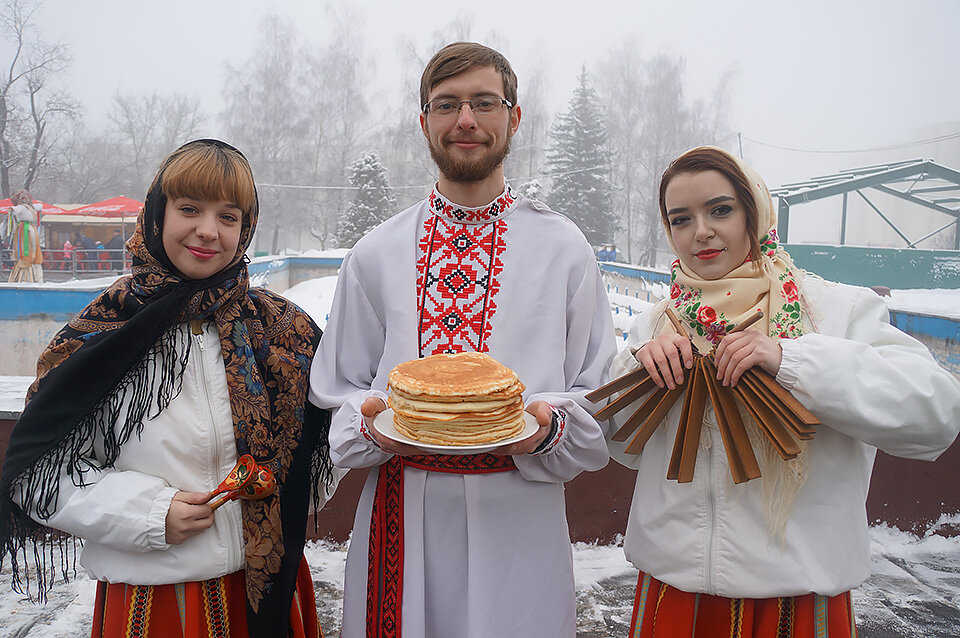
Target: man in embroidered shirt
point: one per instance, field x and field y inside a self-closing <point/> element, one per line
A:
<point x="471" y="546"/>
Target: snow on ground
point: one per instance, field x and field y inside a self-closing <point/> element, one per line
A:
<point x="940" y="302"/>
<point x="98" y="283"/>
<point x="315" y="297"/>
<point x="914" y="590"/>
<point x="13" y="393"/>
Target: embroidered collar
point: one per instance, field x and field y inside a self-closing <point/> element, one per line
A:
<point x="496" y="209"/>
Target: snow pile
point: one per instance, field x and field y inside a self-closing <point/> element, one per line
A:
<point x="315" y="297"/>
<point x="13" y="393"/>
<point x="939" y="302"/>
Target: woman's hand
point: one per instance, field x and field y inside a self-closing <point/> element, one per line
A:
<point x="368" y="411"/>
<point x="664" y="359"/>
<point x="188" y="516"/>
<point x="740" y="351"/>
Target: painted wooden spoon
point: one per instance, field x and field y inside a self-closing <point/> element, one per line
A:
<point x="241" y="475"/>
<point x="263" y="485"/>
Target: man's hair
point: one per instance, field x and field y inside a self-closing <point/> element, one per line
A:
<point x="707" y="158"/>
<point x="209" y="172"/>
<point x="458" y="57"/>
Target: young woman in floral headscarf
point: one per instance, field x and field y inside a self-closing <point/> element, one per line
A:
<point x="778" y="555"/>
<point x="147" y="399"/>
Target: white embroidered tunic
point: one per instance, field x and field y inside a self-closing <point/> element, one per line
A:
<point x="484" y="554"/>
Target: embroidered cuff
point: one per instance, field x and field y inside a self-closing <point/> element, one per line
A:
<point x="557" y="425"/>
<point x="365" y="425"/>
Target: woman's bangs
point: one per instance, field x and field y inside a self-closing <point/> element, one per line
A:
<point x="212" y="175"/>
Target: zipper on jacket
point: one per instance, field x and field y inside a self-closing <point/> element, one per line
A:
<point x="230" y="530"/>
<point x="708" y="549"/>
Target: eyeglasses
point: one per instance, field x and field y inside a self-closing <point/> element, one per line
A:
<point x="483" y="105"/>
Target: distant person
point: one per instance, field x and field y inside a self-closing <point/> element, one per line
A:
<point x="477" y="545"/>
<point x="103" y="257"/>
<point x="776" y="555"/>
<point x="84" y="247"/>
<point x="145" y="401"/>
<point x="115" y="246"/>
<point x="23" y="223"/>
<point x="68" y="263"/>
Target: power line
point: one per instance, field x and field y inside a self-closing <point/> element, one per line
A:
<point x="891" y="147"/>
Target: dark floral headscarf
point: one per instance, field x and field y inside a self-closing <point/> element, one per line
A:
<point x="131" y="336"/>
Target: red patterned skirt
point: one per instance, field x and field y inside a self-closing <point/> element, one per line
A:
<point x="210" y="608"/>
<point x="662" y="611"/>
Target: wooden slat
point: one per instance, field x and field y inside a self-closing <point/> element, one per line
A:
<point x="691" y="442"/>
<point x="625" y="399"/>
<point x="733" y="456"/>
<point x="790" y="401"/>
<point x="769" y="423"/>
<point x="638" y="417"/>
<point x="739" y="433"/>
<point x="800" y="429"/>
<point x="733" y="460"/>
<point x="673" y="470"/>
<point x="622" y="383"/>
<point x="653" y="420"/>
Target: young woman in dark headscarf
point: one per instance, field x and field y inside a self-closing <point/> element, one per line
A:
<point x="146" y="400"/>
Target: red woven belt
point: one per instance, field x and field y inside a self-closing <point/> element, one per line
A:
<point x="385" y="557"/>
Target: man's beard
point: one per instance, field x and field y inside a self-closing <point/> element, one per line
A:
<point x="475" y="170"/>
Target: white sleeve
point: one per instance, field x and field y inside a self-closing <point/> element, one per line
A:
<point x="874" y="383"/>
<point x="642" y="330"/>
<point x="122" y="509"/>
<point x="588" y="348"/>
<point x="343" y="370"/>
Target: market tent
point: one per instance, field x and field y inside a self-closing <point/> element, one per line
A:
<point x="121" y="206"/>
<point x="48" y="209"/>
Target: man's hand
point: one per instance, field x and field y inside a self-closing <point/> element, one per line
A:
<point x="368" y="411"/>
<point x="541" y="410"/>
<point x="188" y="516"/>
<point x="740" y="351"/>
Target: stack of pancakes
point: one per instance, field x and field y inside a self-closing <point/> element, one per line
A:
<point x="456" y="399"/>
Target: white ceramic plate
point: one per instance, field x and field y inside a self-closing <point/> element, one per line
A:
<point x="384" y="425"/>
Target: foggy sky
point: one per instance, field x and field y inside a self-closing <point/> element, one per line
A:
<point x="815" y="75"/>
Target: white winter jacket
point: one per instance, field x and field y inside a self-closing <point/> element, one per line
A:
<point x="189" y="446"/>
<point x="871" y="385"/>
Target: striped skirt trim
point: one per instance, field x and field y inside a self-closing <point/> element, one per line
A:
<point x="662" y="611"/>
<point x="215" y="608"/>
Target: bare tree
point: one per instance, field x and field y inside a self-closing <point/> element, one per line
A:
<point x="650" y="121"/>
<point x="265" y="117"/>
<point x="527" y="147"/>
<point x="147" y="128"/>
<point x="337" y="115"/>
<point x="31" y="108"/>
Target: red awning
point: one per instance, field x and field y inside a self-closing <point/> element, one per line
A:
<point x="121" y="206"/>
<point x="48" y="209"/>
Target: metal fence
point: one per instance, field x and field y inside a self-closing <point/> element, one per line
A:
<point x="59" y="265"/>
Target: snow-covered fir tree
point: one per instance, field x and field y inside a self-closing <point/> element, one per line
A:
<point x="580" y="162"/>
<point x="372" y="204"/>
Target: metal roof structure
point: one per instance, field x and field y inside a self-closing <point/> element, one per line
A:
<point x="921" y="182"/>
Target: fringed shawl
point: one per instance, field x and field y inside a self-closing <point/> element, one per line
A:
<point x="121" y="361"/>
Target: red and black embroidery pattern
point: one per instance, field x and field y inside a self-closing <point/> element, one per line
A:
<point x="494" y="210"/>
<point x="385" y="558"/>
<point x="459" y="268"/>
